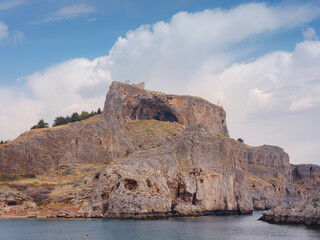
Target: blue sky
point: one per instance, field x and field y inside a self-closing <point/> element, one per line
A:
<point x="93" y="33"/>
<point x="259" y="59"/>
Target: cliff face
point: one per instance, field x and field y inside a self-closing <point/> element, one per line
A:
<point x="125" y="103"/>
<point x="307" y="175"/>
<point x="102" y="139"/>
<point x="163" y="155"/>
<point x="305" y="212"/>
<point x="36" y="151"/>
<point x="270" y="177"/>
<point x="191" y="173"/>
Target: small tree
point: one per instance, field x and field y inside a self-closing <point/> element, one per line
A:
<point x="92" y="113"/>
<point x="84" y="115"/>
<point x="68" y="119"/>
<point x="42" y="124"/>
<point x="75" y="117"/>
<point x="1" y="142"/>
<point x="99" y="111"/>
<point x="240" y="140"/>
<point x="59" y="121"/>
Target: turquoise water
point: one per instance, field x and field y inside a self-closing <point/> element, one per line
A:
<point x="212" y="227"/>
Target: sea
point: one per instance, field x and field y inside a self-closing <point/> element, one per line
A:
<point x="209" y="227"/>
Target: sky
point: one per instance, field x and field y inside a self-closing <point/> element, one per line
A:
<point x="258" y="59"/>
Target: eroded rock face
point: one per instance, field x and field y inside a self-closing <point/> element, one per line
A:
<point x="270" y="177"/>
<point x="126" y="102"/>
<point x="92" y="141"/>
<point x="305" y="212"/>
<point x="194" y="173"/>
<point x="307" y="175"/>
<point x="102" y="138"/>
<point x="165" y="155"/>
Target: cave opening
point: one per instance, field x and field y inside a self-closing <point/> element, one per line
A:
<point x="151" y="109"/>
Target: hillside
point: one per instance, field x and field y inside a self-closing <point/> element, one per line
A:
<point x="148" y="155"/>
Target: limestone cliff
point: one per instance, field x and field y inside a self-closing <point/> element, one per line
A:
<point x="160" y="155"/>
<point x="305" y="212"/>
<point x="270" y="178"/>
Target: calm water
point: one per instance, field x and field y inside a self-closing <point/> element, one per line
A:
<point x="229" y="227"/>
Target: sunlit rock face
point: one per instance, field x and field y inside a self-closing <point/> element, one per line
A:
<point x="125" y="103"/>
<point x="164" y="155"/>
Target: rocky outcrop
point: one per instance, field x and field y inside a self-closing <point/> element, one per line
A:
<point x="163" y="155"/>
<point x="307" y="175"/>
<point x="125" y="103"/>
<point x="192" y="173"/>
<point x="102" y="138"/>
<point x="270" y="178"/>
<point x="305" y="212"/>
<point x="36" y="151"/>
<point x="269" y="161"/>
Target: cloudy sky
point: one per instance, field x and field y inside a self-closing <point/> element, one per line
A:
<point x="259" y="60"/>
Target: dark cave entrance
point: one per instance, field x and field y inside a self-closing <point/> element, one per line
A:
<point x="153" y="109"/>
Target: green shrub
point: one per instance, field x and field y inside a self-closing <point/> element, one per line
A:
<point x="128" y="152"/>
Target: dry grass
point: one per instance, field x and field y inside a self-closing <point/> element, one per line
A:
<point x="33" y="132"/>
<point x="151" y="129"/>
<point x="92" y="119"/>
<point x="57" y="184"/>
<point x="253" y="178"/>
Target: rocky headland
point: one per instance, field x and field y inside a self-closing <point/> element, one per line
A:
<point x="148" y="155"/>
<point x="305" y="212"/>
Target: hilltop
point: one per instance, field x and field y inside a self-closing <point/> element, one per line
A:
<point x="147" y="155"/>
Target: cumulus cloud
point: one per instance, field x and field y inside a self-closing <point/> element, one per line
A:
<point x="310" y="34"/>
<point x="198" y="53"/>
<point x="274" y="99"/>
<point x="14" y="37"/>
<point x="75" y="85"/>
<point x="11" y="4"/>
<point x="67" y="13"/>
<point x="198" y="42"/>
<point x="18" y="112"/>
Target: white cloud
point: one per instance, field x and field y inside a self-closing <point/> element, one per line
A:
<point x="6" y="36"/>
<point x="197" y="42"/>
<point x="197" y="53"/>
<point x="260" y="95"/>
<point x="3" y="31"/>
<point x="68" y="12"/>
<point x="92" y="20"/>
<point x="310" y="34"/>
<point x="274" y="99"/>
<point x="75" y="85"/>
<point x="11" y="4"/>
<point x="18" y="112"/>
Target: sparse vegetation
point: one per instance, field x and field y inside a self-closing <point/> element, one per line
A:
<point x="152" y="129"/>
<point x="8" y="177"/>
<point x="13" y="177"/>
<point x="127" y="152"/>
<point x="41" y="124"/>
<point x="38" y="194"/>
<point x="240" y="140"/>
<point x="84" y="115"/>
<point x="75" y="117"/>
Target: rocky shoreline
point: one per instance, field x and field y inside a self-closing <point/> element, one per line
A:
<point x="70" y="211"/>
<point x="306" y="212"/>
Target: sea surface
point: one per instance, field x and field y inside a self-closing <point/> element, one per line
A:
<point x="211" y="227"/>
